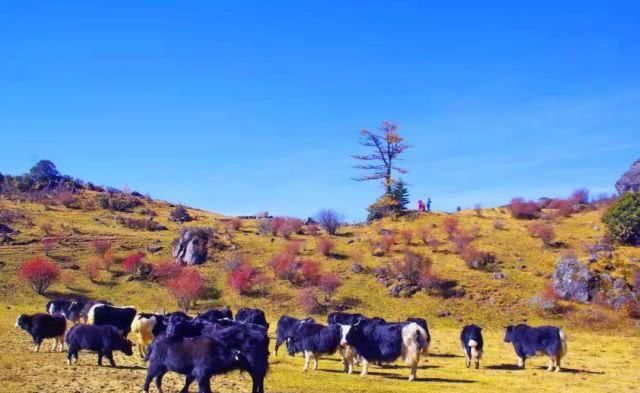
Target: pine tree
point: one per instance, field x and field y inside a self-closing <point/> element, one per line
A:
<point x="400" y="193"/>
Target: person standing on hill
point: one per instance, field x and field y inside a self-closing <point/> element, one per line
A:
<point x="421" y="206"/>
<point x="428" y="204"/>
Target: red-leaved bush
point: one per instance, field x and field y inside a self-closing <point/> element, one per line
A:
<point x="165" y="270"/>
<point x="524" y="209"/>
<point x="235" y="224"/>
<point x="286" y="226"/>
<point x="386" y="242"/>
<point x="581" y="195"/>
<point x="310" y="272"/>
<point x="245" y="279"/>
<point x="312" y="229"/>
<point x="329" y="283"/>
<point x="542" y="231"/>
<point x="132" y="262"/>
<point x="294" y="247"/>
<point x="412" y="266"/>
<point x="40" y="273"/>
<point x="477" y="259"/>
<point x="309" y="301"/>
<point x="406" y="235"/>
<point x="450" y="225"/>
<point x="186" y="287"/>
<point x="102" y="246"/>
<point x="460" y="240"/>
<point x="284" y="266"/>
<point x="564" y="207"/>
<point x="325" y="246"/>
<point x="106" y="260"/>
<point x="92" y="269"/>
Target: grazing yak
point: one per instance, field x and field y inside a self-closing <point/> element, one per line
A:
<point x="529" y="341"/>
<point x="41" y="326"/>
<point x="385" y="342"/>
<point x="143" y="327"/>
<point x="249" y="339"/>
<point x="216" y="314"/>
<point x="472" y="344"/>
<point x="118" y="317"/>
<point x="344" y="318"/>
<point x="198" y="358"/>
<point x="101" y="339"/>
<point x="285" y="327"/>
<point x="59" y="306"/>
<point x="314" y="339"/>
<point x="423" y="324"/>
<point x="79" y="309"/>
<point x="252" y="315"/>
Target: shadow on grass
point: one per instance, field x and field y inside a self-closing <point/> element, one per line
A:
<point x="575" y="371"/>
<point x="504" y="367"/>
<point x="444" y="355"/>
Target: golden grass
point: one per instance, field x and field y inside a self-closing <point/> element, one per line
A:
<point x="601" y="361"/>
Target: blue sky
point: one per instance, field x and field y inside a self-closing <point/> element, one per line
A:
<point x="246" y="106"/>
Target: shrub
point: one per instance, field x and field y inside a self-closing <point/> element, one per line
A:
<point x="478" y="260"/>
<point x="101" y="246"/>
<point x="67" y="199"/>
<point x="47" y="228"/>
<point x="245" y="279"/>
<point x="498" y="225"/>
<point x="118" y="202"/>
<point x="412" y="266"/>
<point x="179" y="214"/>
<point x="460" y="240"/>
<point x="294" y="247"/>
<point x="310" y="272"/>
<point x="48" y="243"/>
<point x="450" y="225"/>
<point x="106" y="260"/>
<point x="524" y="209"/>
<point x="406" y="235"/>
<point x="312" y="229"/>
<point x="542" y="231"/>
<point x="329" y="284"/>
<point x="234" y="261"/>
<point x="147" y="212"/>
<point x="147" y="224"/>
<point x="386" y="242"/>
<point x="186" y="287"/>
<point x="234" y="224"/>
<point x="564" y="207"/>
<point x="478" y="209"/>
<point x="329" y="220"/>
<point x="290" y="226"/>
<point x="40" y="273"/>
<point x="385" y="206"/>
<point x="265" y="226"/>
<point x="132" y="262"/>
<point x="309" y="301"/>
<point x="284" y="266"/>
<point x="581" y="195"/>
<point x="325" y="246"/>
<point x="622" y="219"/>
<point x="92" y="269"/>
<point x="427" y="237"/>
<point x="165" y="270"/>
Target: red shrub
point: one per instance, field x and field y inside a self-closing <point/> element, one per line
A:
<point x="284" y="266"/>
<point x="313" y="229"/>
<point x="542" y="231"/>
<point x="329" y="283"/>
<point x="460" y="240"/>
<point x="406" y="235"/>
<point x="245" y="279"/>
<point x="450" y="225"/>
<point x="235" y="224"/>
<point x="581" y="195"/>
<point x="102" y="246"/>
<point x="325" y="246"/>
<point x="479" y="260"/>
<point x="524" y="209"/>
<point x="92" y="269"/>
<point x="67" y="278"/>
<point x="106" y="260"/>
<point x="387" y="241"/>
<point x="165" y="270"/>
<point x="40" y="273"/>
<point x="412" y="266"/>
<point x="186" y="287"/>
<point x="293" y="247"/>
<point x="563" y="206"/>
<point x="67" y="199"/>
<point x="132" y="262"/>
<point x="498" y="225"/>
<point x="311" y="271"/>
<point x="48" y="243"/>
<point x="548" y="292"/>
<point x="309" y="301"/>
<point x="286" y="226"/>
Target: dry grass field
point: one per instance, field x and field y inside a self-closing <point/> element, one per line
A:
<point x="602" y="351"/>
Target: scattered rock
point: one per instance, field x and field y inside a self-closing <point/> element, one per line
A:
<point x="70" y="266"/>
<point x="356" y="267"/>
<point x="154" y="248"/>
<point x="499" y="276"/>
<point x="571" y="279"/>
<point x="443" y="313"/>
<point x="596" y="227"/>
<point x="192" y="246"/>
<point x="630" y="181"/>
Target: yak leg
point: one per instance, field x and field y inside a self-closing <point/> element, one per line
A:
<point x="365" y="367"/>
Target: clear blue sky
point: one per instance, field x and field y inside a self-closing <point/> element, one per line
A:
<point x="245" y="106"/>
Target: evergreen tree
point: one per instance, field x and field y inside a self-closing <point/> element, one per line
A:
<point x="400" y="194"/>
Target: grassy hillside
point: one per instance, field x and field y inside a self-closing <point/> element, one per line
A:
<point x="595" y="358"/>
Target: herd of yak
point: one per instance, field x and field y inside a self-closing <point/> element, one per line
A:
<point x="214" y="343"/>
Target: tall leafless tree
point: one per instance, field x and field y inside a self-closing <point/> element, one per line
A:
<point x="386" y="146"/>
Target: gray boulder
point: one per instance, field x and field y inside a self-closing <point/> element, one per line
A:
<point x="571" y="279"/>
<point x="191" y="247"/>
<point x="630" y="181"/>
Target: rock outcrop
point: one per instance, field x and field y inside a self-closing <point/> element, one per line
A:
<point x="192" y="247"/>
<point x="630" y="181"/>
<point x="571" y="279"/>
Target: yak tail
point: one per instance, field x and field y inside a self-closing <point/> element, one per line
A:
<point x="91" y="314"/>
<point x="473" y="344"/>
<point x="563" y="343"/>
<point x="414" y="342"/>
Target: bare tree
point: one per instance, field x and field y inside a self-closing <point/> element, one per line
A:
<point x="387" y="146"/>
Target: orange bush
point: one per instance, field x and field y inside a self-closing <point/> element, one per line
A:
<point x="450" y="225"/>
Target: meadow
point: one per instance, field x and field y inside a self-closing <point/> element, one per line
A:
<point x="603" y="343"/>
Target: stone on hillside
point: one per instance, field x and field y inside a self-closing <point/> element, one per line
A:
<point x="571" y="279"/>
<point x="630" y="181"/>
<point x="70" y="266"/>
<point x="191" y="247"/>
<point x="356" y="267"/>
<point x="154" y="248"/>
